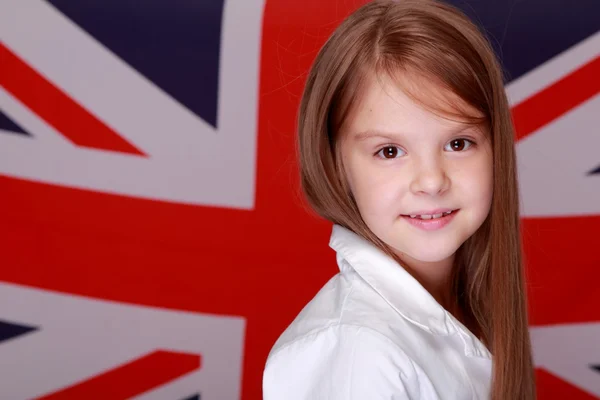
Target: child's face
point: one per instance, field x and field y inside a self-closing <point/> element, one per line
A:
<point x="423" y="164"/>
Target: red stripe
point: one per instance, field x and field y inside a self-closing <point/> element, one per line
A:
<point x="56" y="108"/>
<point x="131" y="379"/>
<point x="551" y="387"/>
<point x="557" y="99"/>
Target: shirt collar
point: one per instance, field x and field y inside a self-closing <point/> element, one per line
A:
<point x="400" y="289"/>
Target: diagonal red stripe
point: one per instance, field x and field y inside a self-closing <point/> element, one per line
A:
<point x="551" y="387"/>
<point x="131" y="379"/>
<point x="558" y="98"/>
<point x="56" y="108"/>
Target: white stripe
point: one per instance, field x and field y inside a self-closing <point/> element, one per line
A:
<point x="98" y="80"/>
<point x="569" y="351"/>
<point x="553" y="70"/>
<point x="189" y="161"/>
<point x="553" y="164"/>
<point x="81" y="337"/>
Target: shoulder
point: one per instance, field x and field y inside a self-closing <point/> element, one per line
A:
<point x="345" y="300"/>
<point x="340" y="361"/>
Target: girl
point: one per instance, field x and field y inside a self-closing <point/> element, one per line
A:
<point x="406" y="145"/>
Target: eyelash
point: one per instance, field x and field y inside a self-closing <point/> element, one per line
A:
<point x="381" y="149"/>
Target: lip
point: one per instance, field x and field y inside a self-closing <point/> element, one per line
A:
<point x="431" y="224"/>
<point x="431" y="212"/>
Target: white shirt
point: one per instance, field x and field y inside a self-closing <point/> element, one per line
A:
<point x="374" y="332"/>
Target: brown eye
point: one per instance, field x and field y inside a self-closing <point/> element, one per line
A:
<point x="390" y="152"/>
<point x="458" y="145"/>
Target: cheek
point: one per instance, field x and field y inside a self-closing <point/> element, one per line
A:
<point x="487" y="178"/>
<point x="375" y="190"/>
<point x="477" y="183"/>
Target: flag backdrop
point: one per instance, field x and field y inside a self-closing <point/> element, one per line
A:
<point x="153" y="241"/>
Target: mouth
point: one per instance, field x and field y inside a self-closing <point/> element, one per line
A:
<point x="436" y="214"/>
<point x="431" y="220"/>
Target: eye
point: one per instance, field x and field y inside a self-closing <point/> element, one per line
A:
<point x="390" y="152"/>
<point x="458" y="145"/>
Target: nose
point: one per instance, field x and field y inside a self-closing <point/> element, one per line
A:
<point x="430" y="178"/>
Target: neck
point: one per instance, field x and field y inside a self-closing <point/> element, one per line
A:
<point x="435" y="277"/>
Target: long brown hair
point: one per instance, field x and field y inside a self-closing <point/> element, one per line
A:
<point x="436" y="41"/>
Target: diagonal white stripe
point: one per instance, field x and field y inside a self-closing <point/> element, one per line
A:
<point x="189" y="161"/>
<point x="553" y="70"/>
<point x="553" y="165"/>
<point x="568" y="351"/>
<point x="81" y="337"/>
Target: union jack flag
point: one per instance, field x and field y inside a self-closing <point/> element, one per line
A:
<point x="88" y="103"/>
<point x="150" y="219"/>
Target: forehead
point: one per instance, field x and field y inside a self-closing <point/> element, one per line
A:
<point x="409" y="104"/>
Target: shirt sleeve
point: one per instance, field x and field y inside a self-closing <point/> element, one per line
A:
<point x="342" y="362"/>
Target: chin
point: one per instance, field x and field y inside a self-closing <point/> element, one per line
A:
<point x="431" y="253"/>
<point x="430" y="257"/>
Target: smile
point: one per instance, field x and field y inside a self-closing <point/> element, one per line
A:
<point x="431" y="216"/>
<point x="431" y="222"/>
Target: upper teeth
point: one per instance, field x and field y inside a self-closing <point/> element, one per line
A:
<point x="431" y="216"/>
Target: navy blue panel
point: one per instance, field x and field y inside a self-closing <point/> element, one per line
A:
<point x="595" y="171"/>
<point x="10" y="330"/>
<point x="8" y="124"/>
<point x="194" y="397"/>
<point x="527" y="33"/>
<point x="174" y="43"/>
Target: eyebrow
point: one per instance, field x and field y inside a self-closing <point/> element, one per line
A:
<point x="374" y="133"/>
<point x="370" y="134"/>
